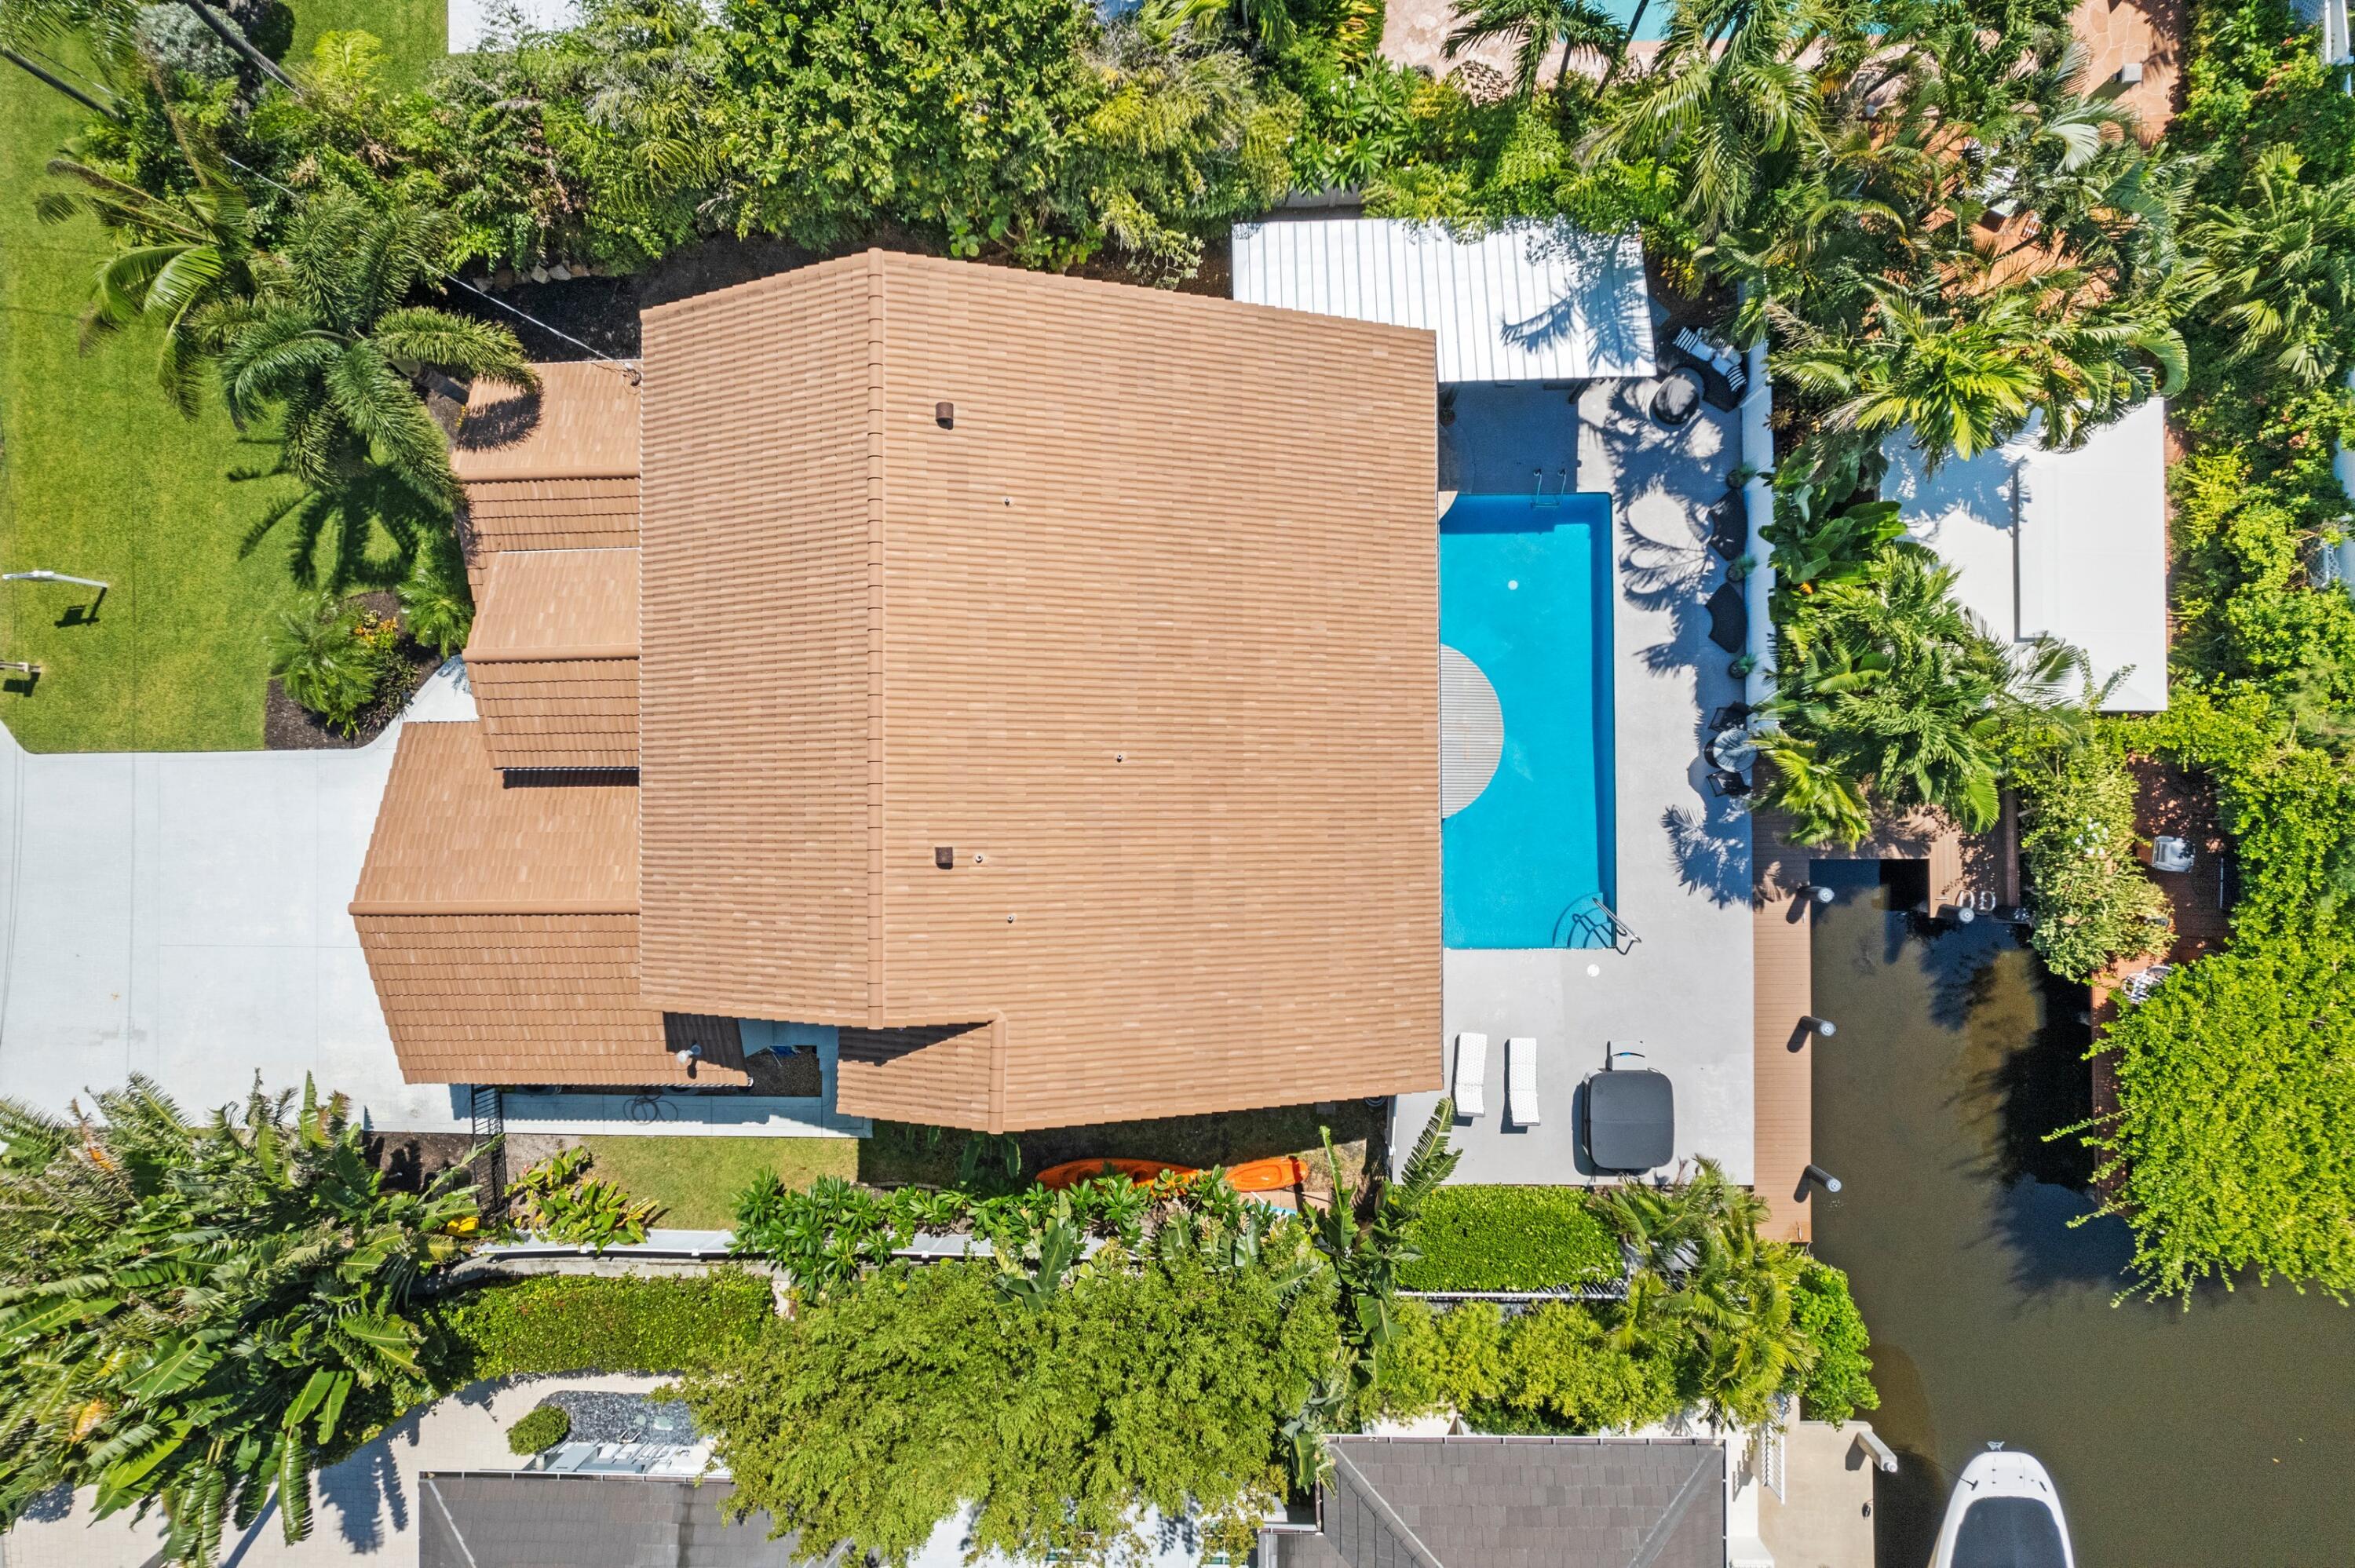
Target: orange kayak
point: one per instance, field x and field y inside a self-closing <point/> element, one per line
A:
<point x="1255" y="1176"/>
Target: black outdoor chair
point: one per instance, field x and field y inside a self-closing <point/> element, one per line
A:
<point x="1725" y="783"/>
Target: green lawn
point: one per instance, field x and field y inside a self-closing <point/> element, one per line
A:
<point x="100" y="477"/>
<point x="696" y="1180"/>
<point x="416" y="33"/>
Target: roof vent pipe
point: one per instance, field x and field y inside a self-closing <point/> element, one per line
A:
<point x="945" y="416"/>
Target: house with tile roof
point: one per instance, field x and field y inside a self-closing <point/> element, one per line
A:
<point x="1026" y="678"/>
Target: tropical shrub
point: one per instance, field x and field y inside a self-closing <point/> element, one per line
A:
<point x="195" y="1315"/>
<point x="1160" y="1382"/>
<point x="1710" y="1295"/>
<point x="1509" y="1238"/>
<point x="1840" y="1382"/>
<point x="557" y="1200"/>
<point x="2089" y="895"/>
<point x="436" y="608"/>
<point x="566" y="1323"/>
<point x="2235" y="1083"/>
<point x="542" y="1428"/>
<point x="331" y="656"/>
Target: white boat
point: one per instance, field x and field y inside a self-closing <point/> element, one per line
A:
<point x="2004" y="1513"/>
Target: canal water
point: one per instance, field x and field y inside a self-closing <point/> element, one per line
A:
<point x="2218" y="1436"/>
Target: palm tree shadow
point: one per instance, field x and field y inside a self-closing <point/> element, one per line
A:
<point x="365" y="532"/>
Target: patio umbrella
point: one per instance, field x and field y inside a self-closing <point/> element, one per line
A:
<point x="1729" y="618"/>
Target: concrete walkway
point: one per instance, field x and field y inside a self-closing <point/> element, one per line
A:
<point x="182" y="915"/>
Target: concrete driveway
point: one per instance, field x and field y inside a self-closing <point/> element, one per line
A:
<point x="182" y="915"/>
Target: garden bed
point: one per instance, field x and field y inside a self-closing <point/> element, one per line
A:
<point x="286" y="726"/>
<point x="1511" y="1239"/>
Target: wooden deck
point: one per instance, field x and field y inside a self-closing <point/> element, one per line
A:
<point x="1979" y="871"/>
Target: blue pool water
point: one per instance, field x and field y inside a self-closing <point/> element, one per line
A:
<point x="1525" y="594"/>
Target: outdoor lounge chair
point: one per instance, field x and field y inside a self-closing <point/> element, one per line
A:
<point x="1726" y="784"/>
<point x="1470" y="1075"/>
<point x="1521" y="1081"/>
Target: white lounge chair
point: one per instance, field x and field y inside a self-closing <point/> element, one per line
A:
<point x="1521" y="1081"/>
<point x="1470" y="1075"/>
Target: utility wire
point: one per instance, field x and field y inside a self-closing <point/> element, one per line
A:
<point x="595" y="354"/>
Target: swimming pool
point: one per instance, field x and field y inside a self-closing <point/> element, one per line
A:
<point x="1525" y="596"/>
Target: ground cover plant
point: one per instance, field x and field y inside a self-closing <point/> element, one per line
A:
<point x="1509" y="1238"/>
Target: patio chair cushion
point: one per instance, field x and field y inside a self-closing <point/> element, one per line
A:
<point x="1470" y="1075"/>
<point x="1631" y="1120"/>
<point x="1521" y="1080"/>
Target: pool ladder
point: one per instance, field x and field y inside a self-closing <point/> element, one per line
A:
<point x="1561" y="488"/>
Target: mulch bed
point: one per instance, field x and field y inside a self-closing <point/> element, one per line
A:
<point x="288" y="726"/>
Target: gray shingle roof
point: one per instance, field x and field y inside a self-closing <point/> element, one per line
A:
<point x="534" y="1520"/>
<point x="1519" y="1502"/>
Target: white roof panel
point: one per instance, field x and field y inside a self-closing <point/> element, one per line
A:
<point x="1527" y="302"/>
<point x="2067" y="545"/>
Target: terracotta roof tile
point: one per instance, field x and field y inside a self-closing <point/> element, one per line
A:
<point x="499" y="922"/>
<point x="582" y="423"/>
<point x="547" y="514"/>
<point x="1146" y="632"/>
<point x="532" y="998"/>
<point x="548" y="604"/>
<point x="455" y="836"/>
<point x="565" y="713"/>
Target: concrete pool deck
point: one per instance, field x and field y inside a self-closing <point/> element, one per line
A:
<point x="1682" y="995"/>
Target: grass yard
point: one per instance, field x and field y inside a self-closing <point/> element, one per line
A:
<point x="696" y="1180"/>
<point x="415" y="32"/>
<point x="100" y="477"/>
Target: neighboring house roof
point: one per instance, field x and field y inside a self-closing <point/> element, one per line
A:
<point x="499" y="918"/>
<point x="1145" y="632"/>
<point x="1517" y="1502"/>
<point x="533" y="1518"/>
<point x="2071" y="545"/>
<point x="1523" y="302"/>
<point x="554" y="658"/>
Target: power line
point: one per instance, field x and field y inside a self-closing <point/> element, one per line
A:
<point x="595" y="354"/>
<point x="600" y="356"/>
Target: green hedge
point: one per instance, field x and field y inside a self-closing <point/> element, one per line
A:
<point x="562" y="1323"/>
<point x="539" y="1430"/>
<point x="1509" y="1238"/>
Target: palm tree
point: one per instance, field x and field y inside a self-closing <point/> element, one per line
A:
<point x="329" y="345"/>
<point x="1964" y="375"/>
<point x="192" y="255"/>
<point x="190" y="1313"/>
<point x="1705" y="1288"/>
<point x="1731" y="98"/>
<point x="1536" y="27"/>
<point x="2281" y="262"/>
<point x="1888" y="693"/>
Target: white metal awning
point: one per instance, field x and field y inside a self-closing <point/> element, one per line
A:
<point x="1527" y="302"/>
<point x="2067" y="545"/>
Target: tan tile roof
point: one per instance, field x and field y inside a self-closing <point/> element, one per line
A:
<point x="1148" y="635"/>
<point x="559" y="712"/>
<point x="554" y="658"/>
<point x="582" y="423"/>
<point x="555" y="604"/>
<point x="453" y="837"/>
<point x="499" y="921"/>
<point x="552" y="514"/>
